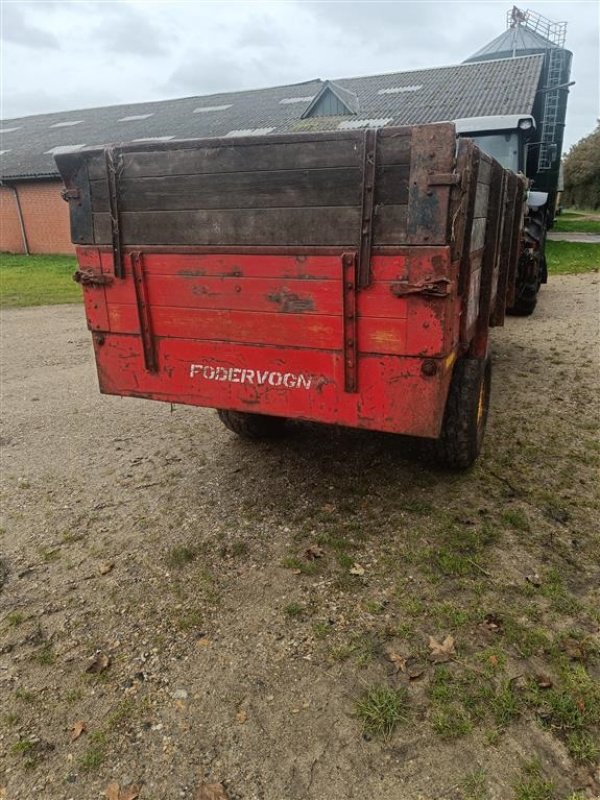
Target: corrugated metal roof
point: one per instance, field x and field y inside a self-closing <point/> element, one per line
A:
<point x="465" y="90"/>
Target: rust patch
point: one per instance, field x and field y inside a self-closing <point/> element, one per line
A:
<point x="291" y="303"/>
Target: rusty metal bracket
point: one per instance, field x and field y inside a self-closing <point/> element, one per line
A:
<point x="143" y="307"/>
<point x="70" y="194"/>
<point x="114" y="168"/>
<point x="444" y="179"/>
<point x="349" y="278"/>
<point x="367" y="207"/>
<point x="87" y="277"/>
<point x="436" y="287"/>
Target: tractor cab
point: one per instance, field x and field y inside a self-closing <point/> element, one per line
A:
<point x="508" y="139"/>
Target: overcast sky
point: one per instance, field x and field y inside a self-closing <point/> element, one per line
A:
<point x="59" y="56"/>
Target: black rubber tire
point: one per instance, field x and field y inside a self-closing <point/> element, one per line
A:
<point x="525" y="302"/>
<point x="252" y="426"/>
<point x="466" y="414"/>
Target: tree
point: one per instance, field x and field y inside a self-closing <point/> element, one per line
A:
<point x="582" y="172"/>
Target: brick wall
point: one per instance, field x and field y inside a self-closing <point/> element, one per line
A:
<point x="45" y="216"/>
<point x="11" y="240"/>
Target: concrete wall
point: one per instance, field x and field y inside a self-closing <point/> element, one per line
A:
<point x="45" y="218"/>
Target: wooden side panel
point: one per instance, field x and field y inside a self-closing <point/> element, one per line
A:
<point x="478" y="346"/>
<point x="275" y="191"/>
<point x="75" y="175"/>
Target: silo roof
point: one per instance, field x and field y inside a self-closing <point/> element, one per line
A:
<point x="519" y="39"/>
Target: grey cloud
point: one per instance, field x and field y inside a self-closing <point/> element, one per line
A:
<point x="209" y="73"/>
<point x="127" y="31"/>
<point x="17" y="28"/>
<point x="262" y="34"/>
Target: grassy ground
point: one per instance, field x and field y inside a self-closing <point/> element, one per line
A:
<point x="37" y="280"/>
<point x="579" y="221"/>
<point x="570" y="258"/>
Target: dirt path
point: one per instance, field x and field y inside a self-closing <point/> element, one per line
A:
<point x="154" y="536"/>
<point x="575" y="236"/>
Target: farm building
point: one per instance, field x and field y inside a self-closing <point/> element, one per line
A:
<point x="509" y="76"/>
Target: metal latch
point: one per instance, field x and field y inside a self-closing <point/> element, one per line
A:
<point x="437" y="287"/>
<point x="70" y="194"/>
<point x="444" y="179"/>
<point x="87" y="277"/>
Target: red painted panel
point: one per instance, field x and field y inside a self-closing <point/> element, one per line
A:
<point x="243" y="318"/>
<point x="394" y="395"/>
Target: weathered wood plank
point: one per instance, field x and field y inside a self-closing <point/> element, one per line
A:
<point x="270" y="226"/>
<point x="481" y="200"/>
<point x="478" y="234"/>
<point x="282" y="189"/>
<point x="390" y="225"/>
<point x="231" y="157"/>
<point x="485" y="169"/>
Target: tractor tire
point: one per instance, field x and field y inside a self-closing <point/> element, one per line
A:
<point x="252" y="426"/>
<point x="466" y="414"/>
<point x="525" y="301"/>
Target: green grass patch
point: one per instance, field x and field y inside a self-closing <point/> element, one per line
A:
<point x="571" y="258"/>
<point x="571" y="709"/>
<point x="294" y="610"/>
<point x="382" y="709"/>
<point x="37" y="280"/>
<point x="576" y="223"/>
<point x="180" y="555"/>
<point x="533" y="785"/>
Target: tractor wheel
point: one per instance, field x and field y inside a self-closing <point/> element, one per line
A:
<point x="252" y="426"/>
<point x="525" y="301"/>
<point x="466" y="413"/>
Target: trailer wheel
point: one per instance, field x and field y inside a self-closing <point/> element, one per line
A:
<point x="252" y="426"/>
<point x="466" y="413"/>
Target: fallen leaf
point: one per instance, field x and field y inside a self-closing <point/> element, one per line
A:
<point x="112" y="791"/>
<point x="78" y="728"/>
<point x="203" y="642"/>
<point x="356" y="569"/>
<point x="493" y="623"/>
<point x="210" y="791"/>
<point x="100" y="661"/>
<point x="106" y="567"/>
<point x="328" y="508"/>
<point x="241" y="716"/>
<point x="493" y="660"/>
<point x="441" y="652"/>
<point x="414" y="669"/>
<point x="543" y="681"/>
<point x="534" y="579"/>
<point x="574" y="649"/>
<point x="314" y="551"/>
<point x="398" y="661"/>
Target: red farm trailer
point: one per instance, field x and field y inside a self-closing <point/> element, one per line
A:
<point x="348" y="277"/>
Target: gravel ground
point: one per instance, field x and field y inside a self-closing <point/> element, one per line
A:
<point x="180" y="607"/>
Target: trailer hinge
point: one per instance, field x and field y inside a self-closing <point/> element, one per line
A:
<point x="87" y="277"/>
<point x="70" y="194"/>
<point x="444" y="179"/>
<point x="437" y="287"/>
